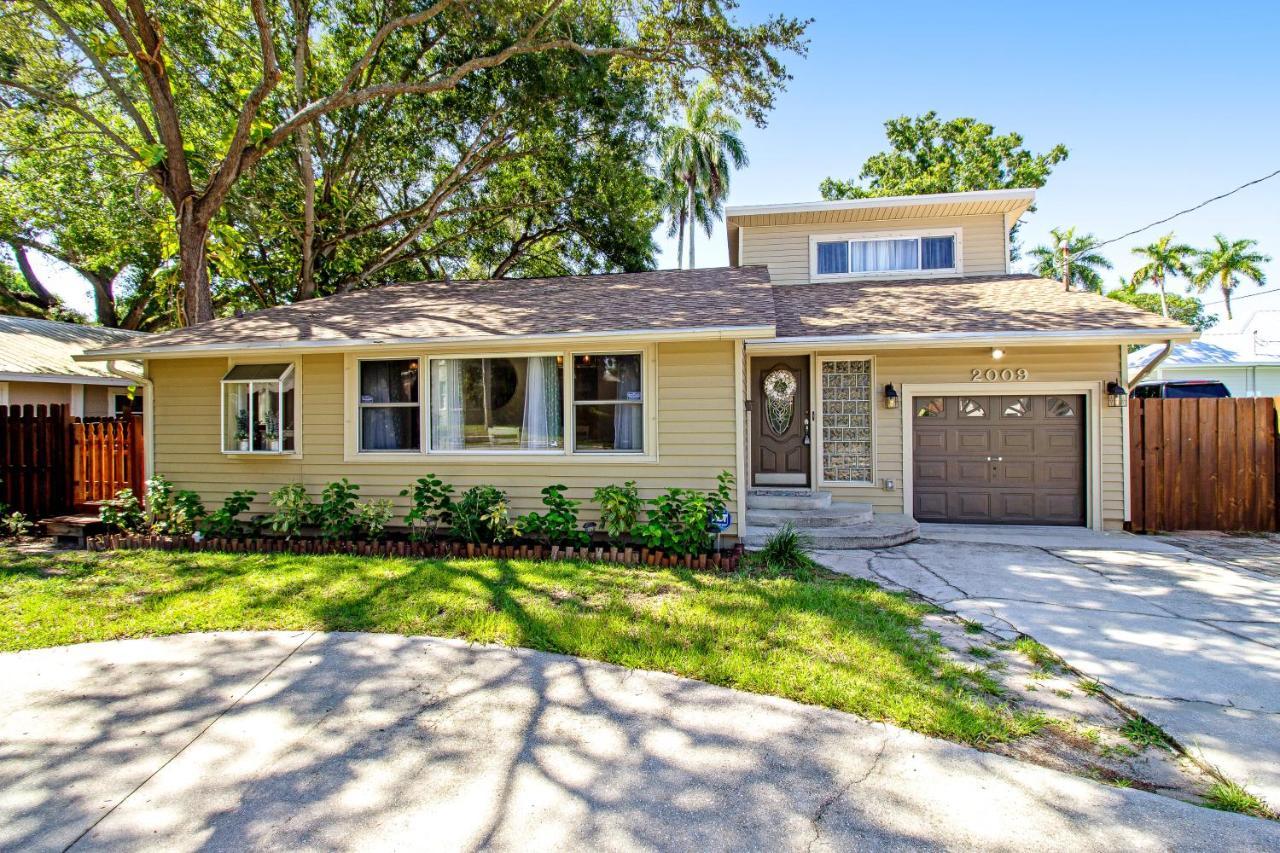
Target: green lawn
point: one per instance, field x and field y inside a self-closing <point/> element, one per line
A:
<point x="834" y="641"/>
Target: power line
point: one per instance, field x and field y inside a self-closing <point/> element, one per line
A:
<point x="1235" y="298"/>
<point x="1174" y="216"/>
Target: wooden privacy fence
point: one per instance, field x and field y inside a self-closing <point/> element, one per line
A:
<point x="1203" y="464"/>
<point x="51" y="463"/>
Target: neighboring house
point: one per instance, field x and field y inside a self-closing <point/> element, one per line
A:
<point x="1247" y="361"/>
<point x="38" y="366"/>
<point x="879" y="350"/>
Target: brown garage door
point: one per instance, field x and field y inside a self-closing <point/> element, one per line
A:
<point x="999" y="459"/>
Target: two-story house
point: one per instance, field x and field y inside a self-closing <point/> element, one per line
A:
<point x="860" y="365"/>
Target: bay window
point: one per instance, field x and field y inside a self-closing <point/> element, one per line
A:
<point x="258" y="409"/>
<point x="855" y="255"/>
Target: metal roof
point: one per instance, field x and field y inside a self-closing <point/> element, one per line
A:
<point x="44" y="349"/>
<point x="1257" y="343"/>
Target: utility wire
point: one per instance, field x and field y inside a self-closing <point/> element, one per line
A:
<point x="1235" y="298"/>
<point x="1174" y="216"/>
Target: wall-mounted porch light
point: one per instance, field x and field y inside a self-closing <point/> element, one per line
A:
<point x="997" y="353"/>
<point x="1117" y="397"/>
<point x="890" y="396"/>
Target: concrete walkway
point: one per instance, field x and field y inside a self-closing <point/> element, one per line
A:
<point x="357" y="741"/>
<point x="1187" y="642"/>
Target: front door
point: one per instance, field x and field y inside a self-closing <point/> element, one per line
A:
<point x="780" y="421"/>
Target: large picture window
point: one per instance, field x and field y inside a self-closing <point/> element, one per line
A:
<point x="504" y="403"/>
<point x="608" y="403"/>
<point x="259" y="409"/>
<point x="868" y="256"/>
<point x="390" y="413"/>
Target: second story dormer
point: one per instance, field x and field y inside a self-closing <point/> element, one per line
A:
<point x="899" y="237"/>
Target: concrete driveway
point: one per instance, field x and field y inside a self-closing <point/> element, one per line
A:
<point x="1188" y="642"/>
<point x="357" y="741"/>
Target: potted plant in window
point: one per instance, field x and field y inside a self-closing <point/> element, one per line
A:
<point x="242" y="430"/>
<point x="273" y="431"/>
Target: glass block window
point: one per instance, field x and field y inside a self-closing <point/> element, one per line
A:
<point x="1016" y="407"/>
<point x="934" y="407"/>
<point x="846" y="421"/>
<point x="1058" y="407"/>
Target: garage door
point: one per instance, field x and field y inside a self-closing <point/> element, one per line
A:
<point x="1000" y="460"/>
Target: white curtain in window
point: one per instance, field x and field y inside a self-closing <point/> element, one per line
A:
<point x="542" y="408"/>
<point x="446" y="406"/>
<point x="883" y="255"/>
<point x="628" y="428"/>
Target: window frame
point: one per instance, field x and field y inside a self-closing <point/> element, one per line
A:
<point x="572" y="403"/>
<point x="567" y="452"/>
<point x="822" y="414"/>
<point x="918" y="234"/>
<point x="295" y="369"/>
<point x="360" y="406"/>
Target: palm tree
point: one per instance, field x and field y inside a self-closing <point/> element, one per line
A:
<point x="700" y="155"/>
<point x="1163" y="259"/>
<point x="1085" y="264"/>
<point x="1228" y="263"/>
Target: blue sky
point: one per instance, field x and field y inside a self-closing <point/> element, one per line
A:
<point x="1161" y="105"/>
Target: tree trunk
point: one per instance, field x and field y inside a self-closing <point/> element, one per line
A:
<point x="104" y="297"/>
<point x="43" y="296"/>
<point x="306" y="164"/>
<point x="680" y="242"/>
<point x="693" y="226"/>
<point x="197" y="295"/>
<point x="1226" y="295"/>
<point x="1164" y="305"/>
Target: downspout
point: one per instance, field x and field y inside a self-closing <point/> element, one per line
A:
<point x="148" y="412"/>
<point x="1150" y="366"/>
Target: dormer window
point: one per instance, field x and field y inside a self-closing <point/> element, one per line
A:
<point x="883" y="255"/>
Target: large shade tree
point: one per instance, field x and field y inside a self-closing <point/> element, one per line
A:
<point x="1163" y="259"/>
<point x="196" y="97"/>
<point x="699" y="155"/>
<point x="1085" y="264"/>
<point x="1227" y="264"/>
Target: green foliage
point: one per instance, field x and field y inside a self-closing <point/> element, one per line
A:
<point x="1232" y="797"/>
<point x="1085" y="264"/>
<point x="168" y="512"/>
<point x="929" y="155"/>
<point x="482" y="515"/>
<point x="1144" y="733"/>
<point x="432" y="507"/>
<point x="372" y="517"/>
<point x="559" y="525"/>
<point x="619" y="510"/>
<point x="786" y="553"/>
<point x="679" y="521"/>
<point x="15" y="525"/>
<point x="1184" y="309"/>
<point x="336" y="514"/>
<point x="294" y="509"/>
<point x="225" y="521"/>
<point x="123" y="513"/>
<point x="1227" y="263"/>
<point x="1164" y="259"/>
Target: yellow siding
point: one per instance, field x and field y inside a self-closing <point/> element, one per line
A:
<point x="927" y="366"/>
<point x="785" y="248"/>
<point x="694" y="431"/>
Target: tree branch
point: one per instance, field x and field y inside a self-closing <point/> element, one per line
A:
<point x="57" y="101"/>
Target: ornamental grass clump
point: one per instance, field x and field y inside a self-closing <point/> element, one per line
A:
<point x="786" y="553"/>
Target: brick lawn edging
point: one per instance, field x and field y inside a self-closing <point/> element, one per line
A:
<point x="721" y="561"/>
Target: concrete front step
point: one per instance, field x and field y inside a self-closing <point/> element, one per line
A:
<point x="799" y="499"/>
<point x="884" y="531"/>
<point x="836" y="515"/>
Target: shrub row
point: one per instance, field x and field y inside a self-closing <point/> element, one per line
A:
<point x="678" y="522"/>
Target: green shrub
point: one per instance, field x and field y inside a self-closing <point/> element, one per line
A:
<point x="372" y="517"/>
<point x="225" y="521"/>
<point x="679" y="521"/>
<point x="167" y="512"/>
<point x="336" y="515"/>
<point x="619" y="510"/>
<point x="123" y="513"/>
<point x="559" y="525"/>
<point x="482" y="515"/>
<point x="15" y="525"/>
<point x="786" y="553"/>
<point x="432" y="508"/>
<point x="294" y="509"/>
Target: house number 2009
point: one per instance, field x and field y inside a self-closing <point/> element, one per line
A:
<point x="1007" y="374"/>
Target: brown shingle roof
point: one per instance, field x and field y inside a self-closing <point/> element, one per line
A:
<point x="1000" y="304"/>
<point x="663" y="300"/>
